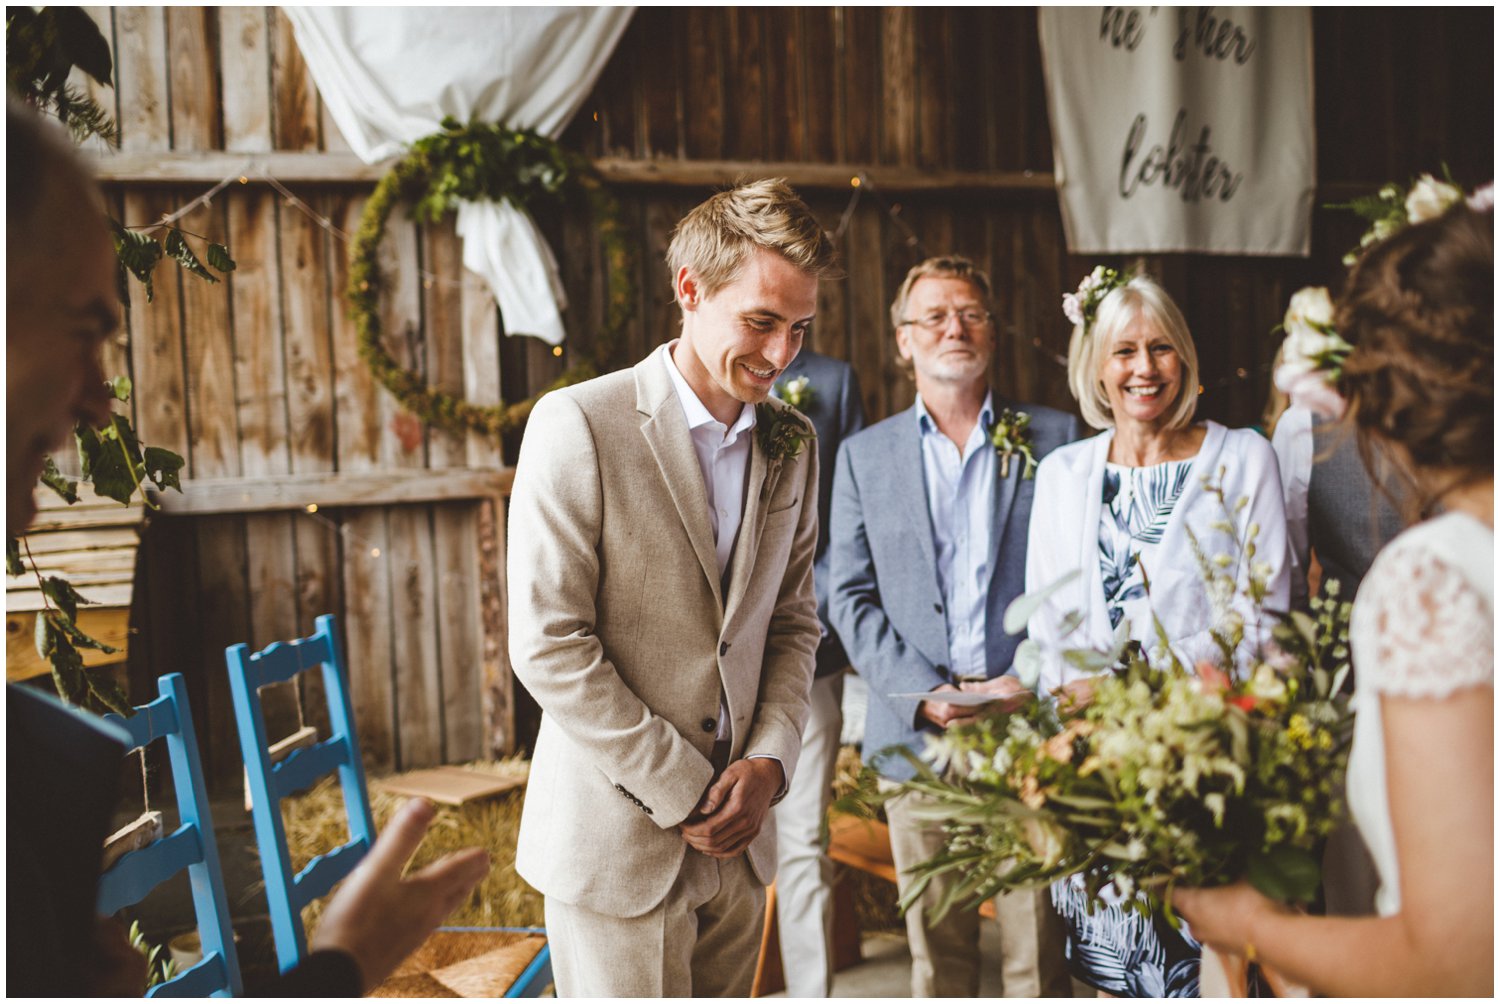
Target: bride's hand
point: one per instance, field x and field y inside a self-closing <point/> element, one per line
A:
<point x="1225" y="917"/>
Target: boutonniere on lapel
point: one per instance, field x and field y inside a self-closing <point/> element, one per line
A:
<point x="1010" y="435"/>
<point x="798" y="393"/>
<point x="782" y="433"/>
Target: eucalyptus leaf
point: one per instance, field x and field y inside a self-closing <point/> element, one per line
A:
<point x="120" y="387"/>
<point x="1087" y="660"/>
<point x="67" y="665"/>
<point x="177" y="247"/>
<point x="1028" y="663"/>
<point x="53" y="478"/>
<point x="63" y="596"/>
<point x="1023" y="607"/>
<point x="13" y="564"/>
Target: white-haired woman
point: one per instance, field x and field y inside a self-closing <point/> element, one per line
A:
<point x="1124" y="509"/>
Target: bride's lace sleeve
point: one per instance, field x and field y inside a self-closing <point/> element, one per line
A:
<point x="1420" y="629"/>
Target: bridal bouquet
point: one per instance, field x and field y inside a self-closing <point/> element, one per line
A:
<point x="1169" y="774"/>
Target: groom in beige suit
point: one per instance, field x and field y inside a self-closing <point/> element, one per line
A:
<point x="662" y="614"/>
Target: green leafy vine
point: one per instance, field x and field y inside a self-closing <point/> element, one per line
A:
<point x="475" y="162"/>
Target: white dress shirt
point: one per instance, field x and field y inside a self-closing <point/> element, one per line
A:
<point x="960" y="499"/>
<point x="724" y="457"/>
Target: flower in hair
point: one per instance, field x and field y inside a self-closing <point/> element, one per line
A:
<point x="1391" y="210"/>
<point x="1081" y="306"/>
<point x="1312" y="357"/>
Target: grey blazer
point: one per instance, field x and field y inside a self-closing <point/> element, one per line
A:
<point x="837" y="412"/>
<point x="885" y="600"/>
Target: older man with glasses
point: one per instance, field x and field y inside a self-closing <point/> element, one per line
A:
<point x="928" y="547"/>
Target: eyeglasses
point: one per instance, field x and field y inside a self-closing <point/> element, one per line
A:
<point x="938" y="319"/>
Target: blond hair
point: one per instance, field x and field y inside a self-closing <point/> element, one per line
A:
<point x="1141" y="297"/>
<point x="716" y="238"/>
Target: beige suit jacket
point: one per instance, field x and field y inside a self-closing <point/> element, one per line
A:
<point x="620" y="630"/>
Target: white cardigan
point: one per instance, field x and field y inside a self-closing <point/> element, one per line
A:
<point x="1064" y="536"/>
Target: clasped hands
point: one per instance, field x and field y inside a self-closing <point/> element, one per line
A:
<point x="732" y="810"/>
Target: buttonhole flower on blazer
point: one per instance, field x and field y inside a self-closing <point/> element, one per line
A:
<point x="781" y="432"/>
<point x="798" y="393"/>
<point x="1010" y="435"/>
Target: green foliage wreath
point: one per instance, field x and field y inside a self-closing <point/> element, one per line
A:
<point x="473" y="162"/>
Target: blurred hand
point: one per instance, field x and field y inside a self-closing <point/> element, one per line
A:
<point x="733" y="808"/>
<point x="1225" y="917"/>
<point x="379" y="917"/>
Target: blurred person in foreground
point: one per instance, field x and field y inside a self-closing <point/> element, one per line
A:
<point x="1419" y="384"/>
<point x="63" y="766"/>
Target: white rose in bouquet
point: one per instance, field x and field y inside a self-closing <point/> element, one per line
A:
<point x="1311" y="304"/>
<point x="1429" y="199"/>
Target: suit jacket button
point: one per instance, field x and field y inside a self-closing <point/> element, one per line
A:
<point x="937" y="608"/>
<point x="709" y="724"/>
<point x="723" y="648"/>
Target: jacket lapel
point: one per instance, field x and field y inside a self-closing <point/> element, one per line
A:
<point x="1004" y="496"/>
<point x="909" y="485"/>
<point x="666" y="432"/>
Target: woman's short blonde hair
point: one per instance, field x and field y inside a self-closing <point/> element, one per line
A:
<point x="718" y="235"/>
<point x="1140" y="297"/>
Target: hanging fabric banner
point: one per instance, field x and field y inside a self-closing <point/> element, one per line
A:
<point x="388" y="76"/>
<point x="1182" y="128"/>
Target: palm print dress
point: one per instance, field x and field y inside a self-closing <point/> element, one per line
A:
<point x="1116" y="948"/>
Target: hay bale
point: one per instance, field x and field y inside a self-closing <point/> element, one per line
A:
<point x="316" y="823"/>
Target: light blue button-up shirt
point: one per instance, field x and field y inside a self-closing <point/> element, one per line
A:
<point x="960" y="499"/>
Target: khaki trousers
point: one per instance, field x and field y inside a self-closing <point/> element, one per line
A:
<point x="703" y="940"/>
<point x="945" y="954"/>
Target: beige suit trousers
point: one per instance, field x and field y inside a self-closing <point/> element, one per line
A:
<point x="945" y="954"/>
<point x="703" y="940"/>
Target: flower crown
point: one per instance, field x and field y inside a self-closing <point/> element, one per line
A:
<point x="1081" y="306"/>
<point x="1391" y="210"/>
<point x="1313" y="355"/>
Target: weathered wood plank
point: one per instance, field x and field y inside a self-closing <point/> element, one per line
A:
<point x="744" y="85"/>
<point x="260" y="399"/>
<point x="321" y="490"/>
<point x="213" y="425"/>
<point x="415" y="623"/>
<point x="703" y="95"/>
<point x="294" y="97"/>
<point x="305" y="335"/>
<point x="221" y="608"/>
<point x="498" y="680"/>
<point x="820" y="66"/>
<point x="156" y="341"/>
<point x="898" y="85"/>
<point x="22" y="662"/>
<point x="869" y="327"/>
<point x="460" y="634"/>
<point x="442" y="294"/>
<point x="245" y="62"/>
<point x="193" y="67"/>
<point x="367" y="630"/>
<point x="141" y="78"/>
<point x="356" y="396"/>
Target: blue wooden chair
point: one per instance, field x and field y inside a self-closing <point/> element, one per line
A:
<point x="287" y="893"/>
<point x="191" y="847"/>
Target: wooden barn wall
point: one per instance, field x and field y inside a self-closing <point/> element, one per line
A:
<point x="259" y="376"/>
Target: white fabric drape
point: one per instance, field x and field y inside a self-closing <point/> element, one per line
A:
<point x="1182" y="129"/>
<point x="388" y="76"/>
